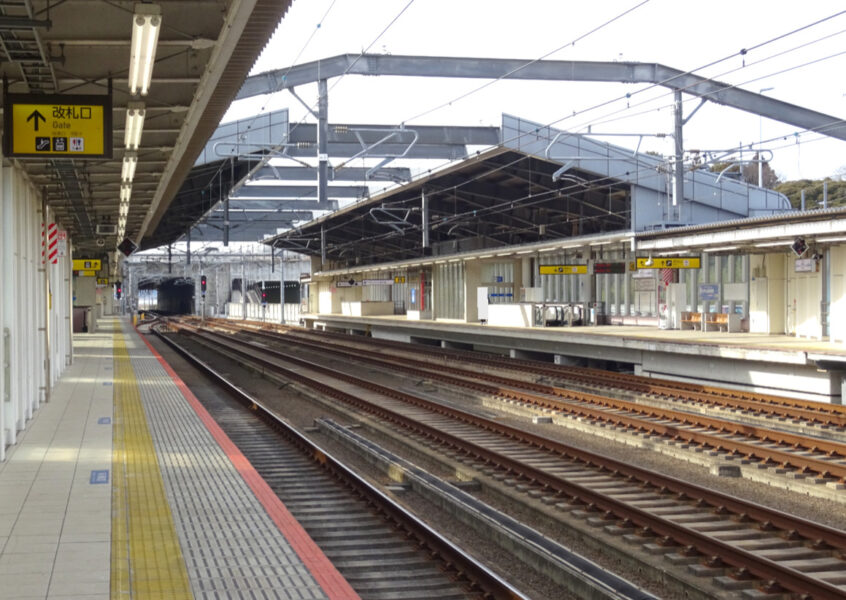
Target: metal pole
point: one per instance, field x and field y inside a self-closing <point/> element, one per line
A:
<point x="226" y="203"/>
<point x="825" y="194"/>
<point x="169" y="260"/>
<point x="188" y="247"/>
<point x="243" y="287"/>
<point x="803" y="200"/>
<point x="424" y="200"/>
<point x="322" y="246"/>
<point x="678" y="171"/>
<point x="322" y="142"/>
<point x="282" y="287"/>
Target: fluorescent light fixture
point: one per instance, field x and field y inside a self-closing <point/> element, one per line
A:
<point x="674" y="253"/>
<point x="124" y="209"/>
<point x="127" y="171"/>
<point x="720" y="249"/>
<point x="134" y="125"/>
<point x="486" y="256"/>
<point x="505" y="253"/>
<point x="125" y="192"/>
<point x="525" y="252"/>
<point x="146" y="23"/>
<point x="122" y="222"/>
<point x="649" y="262"/>
<point x="773" y="244"/>
<point x="830" y="239"/>
<point x="600" y="243"/>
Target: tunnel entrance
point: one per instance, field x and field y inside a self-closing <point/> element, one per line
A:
<point x="170" y="296"/>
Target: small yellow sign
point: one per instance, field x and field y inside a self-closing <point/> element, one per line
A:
<point x="399" y="279"/>
<point x="102" y="281"/>
<point x="71" y="126"/>
<point x="86" y="264"/>
<point x="86" y="273"/>
<point x="669" y="263"/>
<point x="563" y="269"/>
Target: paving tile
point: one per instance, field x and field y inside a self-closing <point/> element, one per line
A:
<point x="23" y="544"/>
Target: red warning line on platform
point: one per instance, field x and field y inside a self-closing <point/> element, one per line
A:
<point x="321" y="568"/>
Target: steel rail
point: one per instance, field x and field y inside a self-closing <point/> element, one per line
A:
<point x="777" y="405"/>
<point x="758" y="566"/>
<point x="481" y="578"/>
<point x="772" y="456"/>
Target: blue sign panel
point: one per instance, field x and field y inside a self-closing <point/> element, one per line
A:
<point x="107" y="383"/>
<point x="709" y="291"/>
<point x="104" y="421"/>
<point x="99" y="476"/>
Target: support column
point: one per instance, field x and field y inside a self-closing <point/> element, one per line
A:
<point x="243" y="289"/>
<point x="678" y="167"/>
<point x="424" y="208"/>
<point x="322" y="142"/>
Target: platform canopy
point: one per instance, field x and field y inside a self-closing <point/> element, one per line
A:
<point x="54" y="51"/>
<point x="498" y="198"/>
<point x="540" y="184"/>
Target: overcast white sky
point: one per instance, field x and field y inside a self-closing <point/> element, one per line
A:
<point x="678" y="33"/>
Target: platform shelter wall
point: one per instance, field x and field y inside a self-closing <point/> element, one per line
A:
<point x="35" y="300"/>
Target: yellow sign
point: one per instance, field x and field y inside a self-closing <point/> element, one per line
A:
<point x="102" y="281"/>
<point x="563" y="269"/>
<point x="86" y="264"/>
<point x="399" y="279"/>
<point x="86" y="273"/>
<point x="58" y="125"/>
<point x="669" y="263"/>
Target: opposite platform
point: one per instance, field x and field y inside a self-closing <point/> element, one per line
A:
<point x="147" y="496"/>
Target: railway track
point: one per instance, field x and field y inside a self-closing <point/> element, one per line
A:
<point x="384" y="552"/>
<point x="691" y="394"/>
<point x="740" y="544"/>
<point x="796" y="456"/>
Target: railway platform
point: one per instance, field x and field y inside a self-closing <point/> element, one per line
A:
<point x="809" y="369"/>
<point x="122" y="486"/>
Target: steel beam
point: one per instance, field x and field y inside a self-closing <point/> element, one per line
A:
<point x="546" y="70"/>
<point x="346" y="174"/>
<point x="302" y="191"/>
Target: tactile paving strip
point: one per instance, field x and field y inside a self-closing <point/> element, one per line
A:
<point x="146" y="558"/>
<point x="231" y="547"/>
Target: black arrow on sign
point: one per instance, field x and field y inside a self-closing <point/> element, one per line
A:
<point x="35" y="115"/>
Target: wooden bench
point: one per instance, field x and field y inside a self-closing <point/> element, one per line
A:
<point x="716" y="321"/>
<point x="691" y="320"/>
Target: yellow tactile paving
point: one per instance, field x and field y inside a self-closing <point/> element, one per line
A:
<point x="146" y="558"/>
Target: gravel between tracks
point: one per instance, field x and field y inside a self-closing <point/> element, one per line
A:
<point x="301" y="412"/>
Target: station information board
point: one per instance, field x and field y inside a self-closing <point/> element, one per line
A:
<point x="690" y="262"/>
<point x="57" y="125"/>
<point x="601" y="268"/>
<point x="563" y="269"/>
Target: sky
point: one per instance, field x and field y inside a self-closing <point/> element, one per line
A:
<point x="804" y="68"/>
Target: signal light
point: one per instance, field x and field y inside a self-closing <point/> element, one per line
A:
<point x="263" y="297"/>
<point x="118" y="290"/>
<point x="203" y="284"/>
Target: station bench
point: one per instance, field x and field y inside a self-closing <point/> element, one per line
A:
<point x="710" y="321"/>
<point x="691" y="320"/>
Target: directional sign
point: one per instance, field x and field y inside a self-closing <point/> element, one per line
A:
<point x="85" y="273"/>
<point x="563" y="269"/>
<point x="57" y="125"/>
<point x="86" y="264"/>
<point x="669" y="263"/>
<point x="102" y="281"/>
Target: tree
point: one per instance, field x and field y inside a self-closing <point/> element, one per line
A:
<point x="813" y="192"/>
